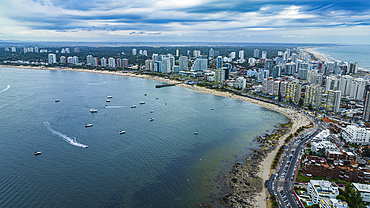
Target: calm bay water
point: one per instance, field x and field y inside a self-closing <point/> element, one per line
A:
<point x="158" y="163"/>
<point x="348" y="53"/>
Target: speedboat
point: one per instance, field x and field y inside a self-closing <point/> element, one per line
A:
<point x="92" y="110"/>
<point x="122" y="132"/>
<point x="142" y="102"/>
<point x="109" y="96"/>
<point x="57" y="100"/>
<point x="107" y="100"/>
<point x="133" y="106"/>
<point x="151" y="119"/>
<point x="37" y="153"/>
<point x="88" y="125"/>
<point x="151" y="111"/>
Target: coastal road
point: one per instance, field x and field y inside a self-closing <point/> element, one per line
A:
<point x="283" y="182"/>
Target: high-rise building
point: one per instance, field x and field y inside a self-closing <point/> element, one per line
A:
<point x="220" y="75"/>
<point x="183" y="63"/>
<point x="200" y="64"/>
<point x="134" y="51"/>
<point x="95" y="62"/>
<point x="14" y="49"/>
<point x="158" y="66"/>
<point x="175" y="69"/>
<point x="111" y="62"/>
<point x="70" y="60"/>
<point x="290" y="68"/>
<point x="166" y="65"/>
<point x="268" y="65"/>
<point x="366" y="112"/>
<point x="177" y="52"/>
<point x="353" y="67"/>
<point x="358" y="89"/>
<point x="241" y="54"/>
<point x="6" y="49"/>
<point x="211" y="53"/>
<point x="125" y="63"/>
<point x="276" y="71"/>
<point x="140" y="52"/>
<point x="149" y="65"/>
<point x="75" y="60"/>
<point x="76" y="50"/>
<point x="196" y="53"/>
<point x="63" y="60"/>
<point x="145" y="53"/>
<point x="256" y="53"/>
<point x="232" y="55"/>
<point x="314" y="77"/>
<point x="264" y="55"/>
<point x="89" y="60"/>
<point x="294" y="91"/>
<point x="103" y="62"/>
<point x="313" y="95"/>
<point x="52" y="58"/>
<point x="219" y="62"/>
<point x="119" y="63"/>
<point x="345" y="85"/>
<point x="241" y="83"/>
<point x="332" y="83"/>
<point x="333" y="99"/>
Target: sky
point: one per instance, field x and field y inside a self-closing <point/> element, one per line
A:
<point x="289" y="21"/>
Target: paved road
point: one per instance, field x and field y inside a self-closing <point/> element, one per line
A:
<point x="282" y="184"/>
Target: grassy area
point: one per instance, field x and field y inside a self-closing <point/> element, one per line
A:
<point x="304" y="179"/>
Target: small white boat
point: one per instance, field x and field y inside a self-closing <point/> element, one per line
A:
<point x="88" y="125"/>
<point x="196" y="132"/>
<point x="57" y="100"/>
<point x="37" y="153"/>
<point x="122" y="132"/>
<point x="92" y="110"/>
<point x="157" y="98"/>
<point x="151" y="119"/>
<point x="133" y="106"/>
<point x="142" y="102"/>
<point x="109" y="96"/>
<point x="151" y="111"/>
<point x="107" y="100"/>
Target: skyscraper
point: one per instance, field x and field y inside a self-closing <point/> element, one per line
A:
<point x="119" y="63"/>
<point x="177" y="52"/>
<point x="200" y="64"/>
<point x="256" y="53"/>
<point x="134" y="51"/>
<point x="75" y="60"/>
<point x="211" y="53"/>
<point x="268" y="65"/>
<point x="241" y="54"/>
<point x="52" y="58"/>
<point x="89" y="60"/>
<point x="264" y="55"/>
<point x="183" y="63"/>
<point x="103" y="62"/>
<point x="313" y="95"/>
<point x="366" y="113"/>
<point x="63" y="60"/>
<point x="353" y="67"/>
<point x="166" y="65"/>
<point x="111" y="62"/>
<point x="333" y="99"/>
<point x="219" y="62"/>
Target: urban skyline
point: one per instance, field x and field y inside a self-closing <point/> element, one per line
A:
<point x="336" y="22"/>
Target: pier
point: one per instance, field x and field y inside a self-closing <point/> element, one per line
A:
<point x="164" y="85"/>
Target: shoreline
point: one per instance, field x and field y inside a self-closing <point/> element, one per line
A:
<point x="264" y="166"/>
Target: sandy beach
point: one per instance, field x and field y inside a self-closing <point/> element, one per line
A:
<point x="316" y="55"/>
<point x="265" y="166"/>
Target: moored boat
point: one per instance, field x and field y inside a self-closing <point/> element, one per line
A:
<point x="151" y="119"/>
<point x="56" y="100"/>
<point x="37" y="153"/>
<point x="109" y="96"/>
<point x="196" y="132"/>
<point x="122" y="132"/>
<point x="142" y="102"/>
<point x="151" y="111"/>
<point x="92" y="110"/>
<point x="133" y="106"/>
<point x="107" y="100"/>
<point x="88" y="125"/>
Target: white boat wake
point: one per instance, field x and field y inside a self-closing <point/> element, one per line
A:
<point x="64" y="137"/>
<point x="6" y="88"/>
<point x="115" y="106"/>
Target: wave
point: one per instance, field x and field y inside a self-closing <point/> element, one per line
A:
<point x="6" y="88"/>
<point x="64" y="137"/>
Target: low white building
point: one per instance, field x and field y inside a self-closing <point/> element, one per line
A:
<point x="356" y="135"/>
<point x="241" y="83"/>
<point x="332" y="203"/>
<point x="318" y="189"/>
<point x="364" y="189"/>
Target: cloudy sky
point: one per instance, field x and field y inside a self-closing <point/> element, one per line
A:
<point x="298" y="21"/>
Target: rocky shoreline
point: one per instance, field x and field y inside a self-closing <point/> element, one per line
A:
<point x="240" y="187"/>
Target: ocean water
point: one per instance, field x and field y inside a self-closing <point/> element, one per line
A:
<point x="348" y="53"/>
<point x="158" y="163"/>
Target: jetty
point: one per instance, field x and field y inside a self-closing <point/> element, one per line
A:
<point x="164" y="85"/>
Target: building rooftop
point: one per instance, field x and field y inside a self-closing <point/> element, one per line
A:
<point x="362" y="187"/>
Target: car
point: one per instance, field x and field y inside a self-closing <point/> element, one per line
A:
<point x="286" y="181"/>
